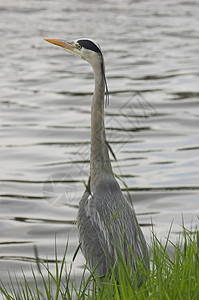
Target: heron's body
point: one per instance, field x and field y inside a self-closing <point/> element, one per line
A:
<point x="107" y="223"/>
<point x="106" y="220"/>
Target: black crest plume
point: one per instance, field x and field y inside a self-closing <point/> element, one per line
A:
<point x="87" y="44"/>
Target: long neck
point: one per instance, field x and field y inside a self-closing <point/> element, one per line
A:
<point x="99" y="160"/>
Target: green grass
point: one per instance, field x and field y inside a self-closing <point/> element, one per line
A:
<point x="169" y="277"/>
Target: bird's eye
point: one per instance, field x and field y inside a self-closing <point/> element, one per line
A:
<point x="78" y="46"/>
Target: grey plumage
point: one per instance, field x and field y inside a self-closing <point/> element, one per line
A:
<point x="106" y="219"/>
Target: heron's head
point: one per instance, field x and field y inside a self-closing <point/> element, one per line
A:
<point x="87" y="49"/>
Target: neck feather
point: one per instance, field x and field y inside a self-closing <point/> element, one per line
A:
<point x="99" y="160"/>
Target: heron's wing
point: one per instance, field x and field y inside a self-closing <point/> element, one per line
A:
<point x="94" y="236"/>
<point x="107" y="223"/>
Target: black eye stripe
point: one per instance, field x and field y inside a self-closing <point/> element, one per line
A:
<point x="89" y="45"/>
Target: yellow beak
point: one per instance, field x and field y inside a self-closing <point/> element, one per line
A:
<point x="66" y="45"/>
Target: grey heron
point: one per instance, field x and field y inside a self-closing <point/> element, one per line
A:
<point x="106" y="219"/>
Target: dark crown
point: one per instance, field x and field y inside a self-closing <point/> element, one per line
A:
<point x="89" y="45"/>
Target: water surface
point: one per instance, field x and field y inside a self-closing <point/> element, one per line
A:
<point x="151" y="54"/>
